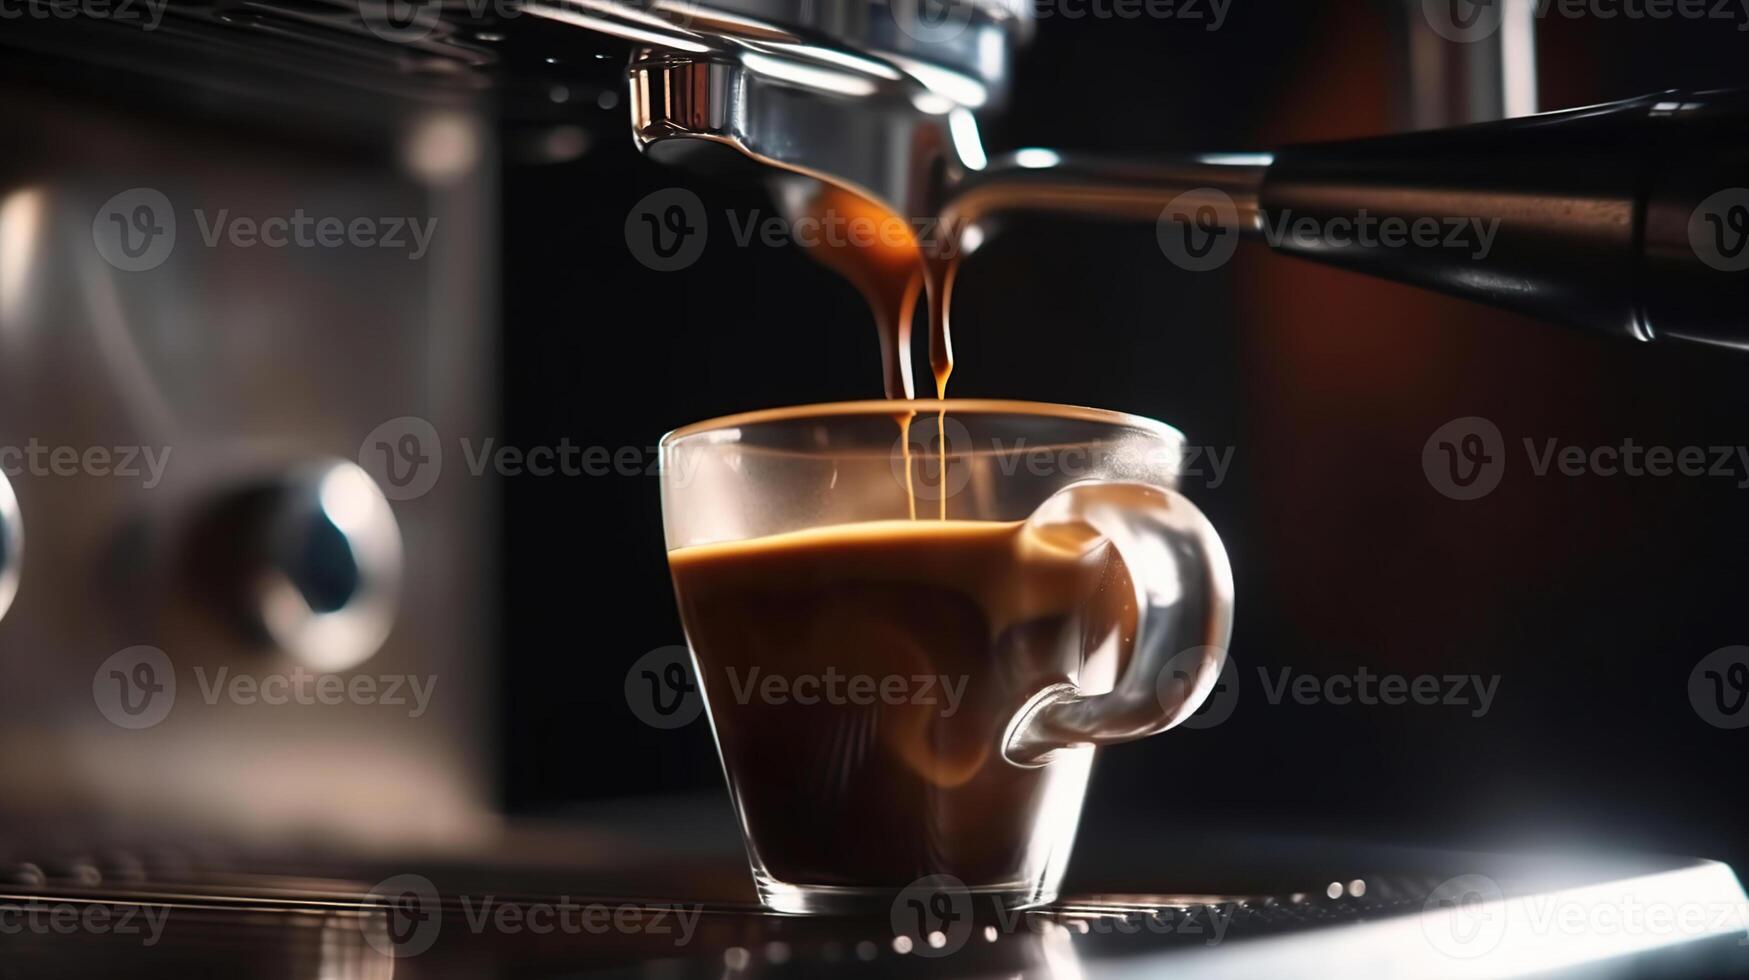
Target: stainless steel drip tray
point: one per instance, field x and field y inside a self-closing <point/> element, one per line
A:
<point x="650" y="890"/>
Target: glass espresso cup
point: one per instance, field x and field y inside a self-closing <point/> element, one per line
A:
<point x="913" y="622"/>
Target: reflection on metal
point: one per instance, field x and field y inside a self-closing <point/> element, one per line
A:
<point x="11" y="545"/>
<point x="964" y="52"/>
<point x="310" y="562"/>
<point x="442" y="146"/>
<point x="352" y="947"/>
<point x="1503" y="933"/>
<point x="1464" y="72"/>
<point x="1518" y="58"/>
<point x="21" y="215"/>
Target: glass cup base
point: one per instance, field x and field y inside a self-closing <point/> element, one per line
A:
<point x="789" y="899"/>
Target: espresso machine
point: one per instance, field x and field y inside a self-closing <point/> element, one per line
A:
<point x="265" y="412"/>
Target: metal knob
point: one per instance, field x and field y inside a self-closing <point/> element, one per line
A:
<point x="309" y="563"/>
<point x="11" y="545"/>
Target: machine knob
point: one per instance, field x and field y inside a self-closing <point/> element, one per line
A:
<point x="11" y="545"/>
<point x="309" y="563"/>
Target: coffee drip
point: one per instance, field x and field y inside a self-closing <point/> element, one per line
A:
<point x="893" y="269"/>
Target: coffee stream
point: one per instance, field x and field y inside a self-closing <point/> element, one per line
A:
<point x="971" y="616"/>
<point x="892" y="272"/>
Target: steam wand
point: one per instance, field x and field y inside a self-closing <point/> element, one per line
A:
<point x="1628" y="219"/>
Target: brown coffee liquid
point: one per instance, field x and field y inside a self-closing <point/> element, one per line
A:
<point x="939" y="276"/>
<point x="878" y="790"/>
<point x="892" y="270"/>
<point x="886" y="268"/>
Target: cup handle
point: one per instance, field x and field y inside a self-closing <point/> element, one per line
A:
<point x="1184" y="618"/>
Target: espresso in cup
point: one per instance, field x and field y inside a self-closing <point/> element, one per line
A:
<point x="861" y="677"/>
<point x="901" y="692"/>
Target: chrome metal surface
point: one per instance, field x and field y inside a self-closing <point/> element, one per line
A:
<point x="910" y="146"/>
<point x="876" y="99"/>
<point x="858" y="125"/>
<point x="11" y="545"/>
<point x="140" y="397"/>
<point x="1596" y="217"/>
<point x="1137" y="190"/>
<point x="525" y="906"/>
<point x="971" y="39"/>
<point x="311" y="563"/>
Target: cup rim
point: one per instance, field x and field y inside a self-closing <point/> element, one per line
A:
<point x="891" y="406"/>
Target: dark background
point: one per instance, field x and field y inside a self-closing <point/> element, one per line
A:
<point x="1592" y="598"/>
